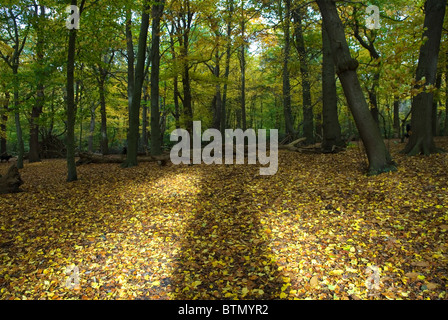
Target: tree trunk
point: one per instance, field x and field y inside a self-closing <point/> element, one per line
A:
<point x="71" y="107"/>
<point x="156" y="142"/>
<point x="243" y="67"/>
<point x="289" y="121"/>
<point x="445" y="129"/>
<point x="19" y="134"/>
<point x="421" y="140"/>
<point x="104" y="141"/>
<point x="145" y="124"/>
<point x="377" y="154"/>
<point x="176" y="113"/>
<point x="33" y="155"/>
<point x="330" y="122"/>
<point x="134" y="111"/>
<point x="396" y="117"/>
<point x="227" y="66"/>
<point x="130" y="54"/>
<point x="308" y="118"/>
<point x="217" y="102"/>
<point x="435" y="104"/>
<point x="11" y="182"/>
<point x="3" y="121"/>
<point x="91" y="127"/>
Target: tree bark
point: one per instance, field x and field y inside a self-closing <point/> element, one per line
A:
<point x="19" y="133"/>
<point x="156" y="142"/>
<point x="71" y="107"/>
<point x="289" y="122"/>
<point x="308" y="118"/>
<point x="91" y="127"/>
<point x="243" y="67"/>
<point x="330" y="122"/>
<point x="445" y="130"/>
<point x="104" y="141"/>
<point x="396" y="117"/>
<point x="130" y="54"/>
<point x="87" y="158"/>
<point x="3" y="121"/>
<point x="421" y="140"/>
<point x="377" y="154"/>
<point x="176" y="113"/>
<point x="224" y="117"/>
<point x="134" y="111"/>
<point x="33" y="155"/>
<point x="435" y="118"/>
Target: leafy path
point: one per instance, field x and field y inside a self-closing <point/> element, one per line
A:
<point x="224" y="232"/>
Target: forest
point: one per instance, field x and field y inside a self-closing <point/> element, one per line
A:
<point x="115" y="118"/>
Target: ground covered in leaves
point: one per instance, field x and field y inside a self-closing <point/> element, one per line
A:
<point x="224" y="232"/>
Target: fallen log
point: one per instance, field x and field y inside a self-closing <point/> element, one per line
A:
<point x="11" y="182"/>
<point x="87" y="158"/>
<point x="292" y="146"/>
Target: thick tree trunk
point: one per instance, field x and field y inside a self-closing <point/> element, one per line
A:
<point x="445" y="129"/>
<point x="421" y="140"/>
<point x="377" y="154"/>
<point x="33" y="155"/>
<point x="224" y="117"/>
<point x="330" y="122"/>
<point x="134" y="111"/>
<point x="289" y="121"/>
<point x="308" y="118"/>
<point x="11" y="182"/>
<point x="176" y="113"/>
<point x="156" y="142"/>
<point x="71" y="107"/>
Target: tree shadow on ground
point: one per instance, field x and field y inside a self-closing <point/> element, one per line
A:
<point x="224" y="250"/>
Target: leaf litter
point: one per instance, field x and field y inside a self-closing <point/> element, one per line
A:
<point x="223" y="232"/>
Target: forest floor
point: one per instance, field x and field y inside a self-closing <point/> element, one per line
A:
<point x="225" y="232"/>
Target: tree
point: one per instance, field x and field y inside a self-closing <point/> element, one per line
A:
<point x="15" y="18"/>
<point x="308" y="127"/>
<point x="33" y="155"/>
<point x="134" y="111"/>
<point x="377" y="154"/>
<point x="156" y="143"/>
<point x="289" y="121"/>
<point x="421" y="140"/>
<point x="71" y="106"/>
<point x="330" y="123"/>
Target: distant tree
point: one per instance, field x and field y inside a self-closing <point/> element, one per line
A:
<point x="134" y="111"/>
<point x="421" y="140"/>
<point x="377" y="154"/>
<point x="330" y="121"/>
<point x="71" y="105"/>
<point x="156" y="143"/>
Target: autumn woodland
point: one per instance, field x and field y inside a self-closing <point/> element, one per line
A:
<point x="118" y="179"/>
